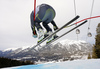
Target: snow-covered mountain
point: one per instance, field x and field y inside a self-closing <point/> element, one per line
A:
<point x="66" y="49"/>
<point x="10" y="50"/>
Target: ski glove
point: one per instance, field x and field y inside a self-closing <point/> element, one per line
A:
<point x="34" y="34"/>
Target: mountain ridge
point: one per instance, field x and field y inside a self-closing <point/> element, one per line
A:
<point x="65" y="49"/>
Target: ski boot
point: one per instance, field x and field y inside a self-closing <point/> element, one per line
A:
<point x="51" y="38"/>
<point x="46" y="34"/>
<point x="55" y="28"/>
<point x="55" y="36"/>
<point x="41" y="35"/>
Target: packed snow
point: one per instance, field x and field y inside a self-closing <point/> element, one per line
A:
<point x="76" y="64"/>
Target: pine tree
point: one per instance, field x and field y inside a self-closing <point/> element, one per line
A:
<point x="5" y="62"/>
<point x="89" y="56"/>
<point x="96" y="50"/>
<point x="94" y="55"/>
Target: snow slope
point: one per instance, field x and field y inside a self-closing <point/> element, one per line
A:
<point x="77" y="64"/>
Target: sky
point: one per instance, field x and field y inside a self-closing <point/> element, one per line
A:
<point x="15" y="30"/>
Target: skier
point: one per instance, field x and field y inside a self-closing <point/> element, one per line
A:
<point x="45" y="14"/>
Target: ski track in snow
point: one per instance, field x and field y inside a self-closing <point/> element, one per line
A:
<point x="76" y="64"/>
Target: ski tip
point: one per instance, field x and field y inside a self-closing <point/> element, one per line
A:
<point x="85" y="21"/>
<point x="77" y="16"/>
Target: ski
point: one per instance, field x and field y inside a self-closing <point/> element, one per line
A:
<point x="67" y="32"/>
<point x="59" y="29"/>
<point x="75" y="18"/>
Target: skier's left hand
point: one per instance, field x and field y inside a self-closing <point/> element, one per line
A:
<point x="34" y="34"/>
